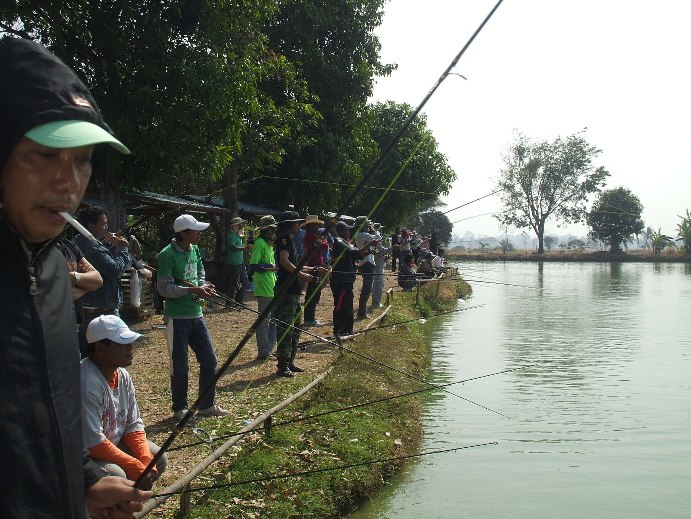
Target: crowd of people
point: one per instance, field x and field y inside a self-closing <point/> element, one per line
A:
<point x="61" y="331"/>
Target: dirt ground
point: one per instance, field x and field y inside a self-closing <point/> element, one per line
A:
<point x="246" y="389"/>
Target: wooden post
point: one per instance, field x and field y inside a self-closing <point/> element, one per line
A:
<point x="417" y="292"/>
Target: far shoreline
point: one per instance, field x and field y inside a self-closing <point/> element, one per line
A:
<point x="576" y="256"/>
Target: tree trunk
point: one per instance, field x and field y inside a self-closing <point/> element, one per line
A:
<point x="540" y="231"/>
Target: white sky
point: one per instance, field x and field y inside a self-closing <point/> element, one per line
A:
<point x="621" y="68"/>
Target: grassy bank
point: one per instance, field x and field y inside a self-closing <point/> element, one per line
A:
<point x="383" y="430"/>
<point x="670" y="255"/>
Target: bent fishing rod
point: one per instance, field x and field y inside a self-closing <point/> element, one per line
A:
<point x="325" y="469"/>
<point x="283" y="290"/>
<point x="342" y="409"/>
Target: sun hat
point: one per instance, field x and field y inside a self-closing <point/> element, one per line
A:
<point x="187" y="221"/>
<point x="237" y="221"/>
<point x="43" y="99"/>
<point x="110" y="327"/>
<point x="267" y="221"/>
<point x="361" y="222"/>
<point x="312" y="218"/>
<point x="290" y="216"/>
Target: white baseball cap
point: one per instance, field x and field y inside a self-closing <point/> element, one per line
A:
<point x="187" y="221"/>
<point x="110" y="327"/>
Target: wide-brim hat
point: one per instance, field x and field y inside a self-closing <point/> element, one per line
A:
<point x="312" y="218"/>
<point x="187" y="221"/>
<point x="237" y="221"/>
<point x="43" y="99"/>
<point x="110" y="327"/>
<point x="290" y="217"/>
<point x="266" y="221"/>
<point x="343" y="226"/>
<point x="361" y="222"/>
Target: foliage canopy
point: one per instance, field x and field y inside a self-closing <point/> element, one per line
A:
<point x="547" y="179"/>
<point x="615" y="217"/>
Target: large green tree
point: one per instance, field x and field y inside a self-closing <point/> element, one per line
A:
<point x="615" y="217"/>
<point x="545" y="179"/>
<point x="433" y="221"/>
<point x="419" y="171"/>
<point x="334" y="49"/>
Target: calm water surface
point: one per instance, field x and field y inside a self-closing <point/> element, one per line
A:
<point x="600" y="420"/>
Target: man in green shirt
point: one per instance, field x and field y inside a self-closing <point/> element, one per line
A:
<point x="234" y="266"/>
<point x="181" y="281"/>
<point x="262" y="265"/>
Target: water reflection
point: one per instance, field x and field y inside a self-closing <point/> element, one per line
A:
<point x="596" y="428"/>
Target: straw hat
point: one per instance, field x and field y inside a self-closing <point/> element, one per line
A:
<point x="312" y="218"/>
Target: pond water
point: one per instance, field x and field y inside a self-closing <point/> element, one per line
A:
<point x="600" y="417"/>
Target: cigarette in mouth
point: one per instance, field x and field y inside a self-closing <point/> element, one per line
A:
<point x="79" y="227"/>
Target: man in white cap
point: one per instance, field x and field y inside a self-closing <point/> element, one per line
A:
<point x="113" y="430"/>
<point x="181" y="281"/>
<point x="50" y="126"/>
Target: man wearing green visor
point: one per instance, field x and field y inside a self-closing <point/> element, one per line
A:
<point x="50" y="126"/>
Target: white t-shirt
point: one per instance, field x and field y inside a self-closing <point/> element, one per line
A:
<point x="361" y="239"/>
<point x="437" y="262"/>
<point x="107" y="413"/>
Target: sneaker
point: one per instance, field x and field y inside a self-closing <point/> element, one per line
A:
<point x="294" y="369"/>
<point x="178" y="415"/>
<point x="314" y="323"/>
<point x="284" y="372"/>
<point x="214" y="410"/>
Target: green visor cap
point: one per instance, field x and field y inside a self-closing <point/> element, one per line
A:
<point x="73" y="134"/>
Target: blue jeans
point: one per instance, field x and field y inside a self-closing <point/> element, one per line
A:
<point x="192" y="332"/>
<point x="266" y="331"/>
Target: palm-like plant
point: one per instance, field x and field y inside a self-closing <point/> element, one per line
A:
<point x="660" y="241"/>
<point x="684" y="232"/>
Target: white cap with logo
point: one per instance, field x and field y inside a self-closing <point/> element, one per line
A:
<point x="110" y="327"/>
<point x="187" y="221"/>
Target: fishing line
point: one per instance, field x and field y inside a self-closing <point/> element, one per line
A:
<point x="283" y="289"/>
<point x="325" y="469"/>
<point x="331" y="183"/>
<point x="472" y="201"/>
<point x="396" y="323"/>
<point x="371" y="359"/>
<point x="343" y="409"/>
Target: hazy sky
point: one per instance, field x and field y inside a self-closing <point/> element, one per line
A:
<point x="621" y="68"/>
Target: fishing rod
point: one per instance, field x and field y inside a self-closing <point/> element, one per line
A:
<point x="283" y="289"/>
<point x="325" y="469"/>
<point x="343" y="409"/>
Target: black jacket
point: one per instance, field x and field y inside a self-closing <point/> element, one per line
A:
<point x="44" y="471"/>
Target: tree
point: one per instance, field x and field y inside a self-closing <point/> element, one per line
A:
<point x="336" y="51"/>
<point x="547" y="179"/>
<point x="551" y="241"/>
<point x="424" y="171"/>
<point x="615" y="217"/>
<point x="684" y="232"/>
<point x="433" y="222"/>
<point x="660" y="242"/>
